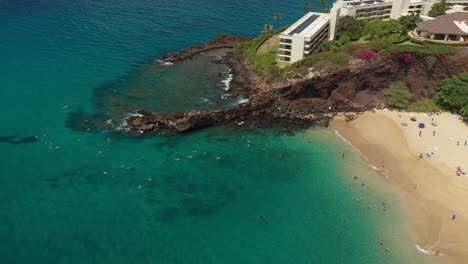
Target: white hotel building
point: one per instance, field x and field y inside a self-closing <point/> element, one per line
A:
<point x="305" y="36"/>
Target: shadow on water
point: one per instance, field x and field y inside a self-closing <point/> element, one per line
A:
<point x="18" y="140"/>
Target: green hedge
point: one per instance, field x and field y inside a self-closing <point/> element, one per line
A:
<point x="416" y="41"/>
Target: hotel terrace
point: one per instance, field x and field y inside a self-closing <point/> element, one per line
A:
<point x="307" y="34"/>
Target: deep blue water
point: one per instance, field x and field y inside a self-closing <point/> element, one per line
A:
<point x="71" y="197"/>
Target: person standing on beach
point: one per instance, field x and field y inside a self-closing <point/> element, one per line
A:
<point x="433" y="133"/>
<point x="453" y="216"/>
<point x="420" y="133"/>
<point x="458" y="143"/>
<point x="466" y="141"/>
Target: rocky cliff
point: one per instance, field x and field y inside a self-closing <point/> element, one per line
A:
<point x="316" y="100"/>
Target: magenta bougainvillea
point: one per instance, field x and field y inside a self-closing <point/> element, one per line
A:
<point x="368" y="55"/>
<point x="406" y="58"/>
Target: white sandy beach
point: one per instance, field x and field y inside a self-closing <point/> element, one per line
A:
<point x="432" y="192"/>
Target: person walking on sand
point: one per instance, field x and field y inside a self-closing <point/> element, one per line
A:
<point x="420" y="133"/>
<point x="466" y="141"/>
<point x="458" y="143"/>
<point x="453" y="216"/>
<point x="433" y="133"/>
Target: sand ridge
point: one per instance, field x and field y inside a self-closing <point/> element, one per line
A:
<point x="431" y="191"/>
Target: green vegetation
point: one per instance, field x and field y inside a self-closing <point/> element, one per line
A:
<point x="438" y="9"/>
<point x="355" y="38"/>
<point x="398" y="95"/>
<point x="426" y="47"/>
<point x="453" y="93"/>
<point x="409" y="22"/>
<point x="466" y="8"/>
<point x="263" y="60"/>
<point x="424" y="106"/>
<point x="324" y="4"/>
<point x="307" y="6"/>
<point x="268" y="31"/>
<point x="393" y="31"/>
<point x="351" y="28"/>
<point x="277" y="18"/>
<point x="382" y="29"/>
<point x="339" y="58"/>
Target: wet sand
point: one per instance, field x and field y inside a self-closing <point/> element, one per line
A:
<point x="429" y="188"/>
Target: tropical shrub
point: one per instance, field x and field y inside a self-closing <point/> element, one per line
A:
<point x="368" y="55"/>
<point x="453" y="92"/>
<point x="422" y="106"/>
<point x="464" y="110"/>
<point x="351" y="27"/>
<point x="338" y="58"/>
<point x="438" y="9"/>
<point x="409" y="22"/>
<point x="398" y="95"/>
<point x="382" y="29"/>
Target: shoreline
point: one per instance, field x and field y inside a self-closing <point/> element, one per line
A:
<point x="429" y="190"/>
<point x="305" y="102"/>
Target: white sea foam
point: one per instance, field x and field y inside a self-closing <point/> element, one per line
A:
<point x="242" y="100"/>
<point x="123" y="126"/>
<point x="425" y="251"/>
<point x="227" y="82"/>
<point x="165" y="63"/>
<point x="205" y="100"/>
<point x="345" y="140"/>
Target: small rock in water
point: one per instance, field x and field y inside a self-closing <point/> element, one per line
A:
<point x="289" y="132"/>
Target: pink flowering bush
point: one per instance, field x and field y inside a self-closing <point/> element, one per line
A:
<point x="368" y="55"/>
<point x="406" y="58"/>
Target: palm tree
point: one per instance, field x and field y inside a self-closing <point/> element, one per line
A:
<point x="277" y="17"/>
<point x="324" y="4"/>
<point x="308" y="6"/>
<point x="268" y="30"/>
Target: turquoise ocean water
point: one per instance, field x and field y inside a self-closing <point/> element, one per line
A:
<point x="71" y="197"/>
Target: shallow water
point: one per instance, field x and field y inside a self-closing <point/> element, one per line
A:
<point x="223" y="195"/>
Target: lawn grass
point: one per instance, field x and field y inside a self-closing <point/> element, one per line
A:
<point x="263" y="60"/>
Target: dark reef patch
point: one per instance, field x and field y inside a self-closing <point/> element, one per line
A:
<point x="19" y="140"/>
<point x="178" y="195"/>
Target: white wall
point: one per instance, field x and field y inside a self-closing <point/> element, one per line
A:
<point x="334" y="19"/>
<point x="297" y="51"/>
